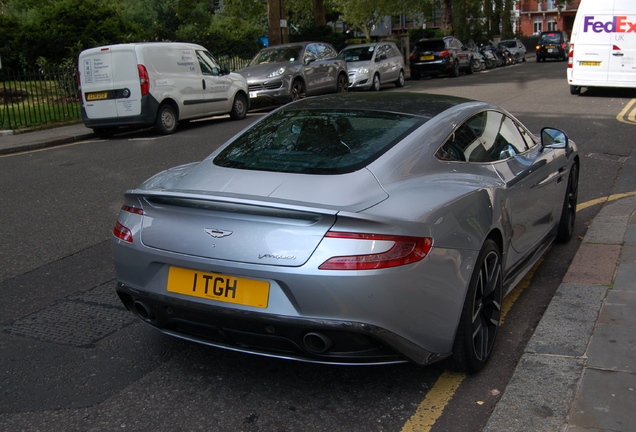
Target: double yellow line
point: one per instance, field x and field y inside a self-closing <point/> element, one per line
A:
<point x="628" y="115"/>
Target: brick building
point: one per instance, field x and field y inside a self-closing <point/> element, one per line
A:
<point x="536" y="16"/>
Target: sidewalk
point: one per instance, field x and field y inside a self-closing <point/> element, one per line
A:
<point x="578" y="371"/>
<point x="10" y="143"/>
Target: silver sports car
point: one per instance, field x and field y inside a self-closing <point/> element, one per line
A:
<point x="350" y="229"/>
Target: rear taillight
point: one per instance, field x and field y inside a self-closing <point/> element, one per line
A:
<point x="413" y="56"/>
<point x="134" y="210"/>
<point x="571" y="57"/>
<point x="144" y="82"/>
<point x="123" y="233"/>
<point x="444" y="53"/>
<point x="405" y="250"/>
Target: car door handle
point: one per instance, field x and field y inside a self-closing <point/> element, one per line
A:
<point x="618" y="54"/>
<point x="203" y="83"/>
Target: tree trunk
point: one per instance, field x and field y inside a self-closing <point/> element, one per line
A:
<point x="447" y="16"/>
<point x="275" y="13"/>
<point x="318" y="9"/>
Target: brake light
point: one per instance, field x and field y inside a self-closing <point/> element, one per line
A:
<point x="134" y="210"/>
<point x="144" y="82"/>
<point x="615" y="48"/>
<point x="444" y="53"/>
<point x="413" y="56"/>
<point x="123" y="233"/>
<point x="405" y="250"/>
<point x="571" y="57"/>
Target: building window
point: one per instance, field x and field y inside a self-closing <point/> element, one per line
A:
<point x="538" y="26"/>
<point x="551" y="5"/>
<point x="552" y="25"/>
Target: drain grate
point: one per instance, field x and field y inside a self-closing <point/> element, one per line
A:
<point x="607" y="157"/>
<point x="79" y="320"/>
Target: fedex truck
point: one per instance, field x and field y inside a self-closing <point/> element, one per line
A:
<point x="603" y="49"/>
<point x="155" y="84"/>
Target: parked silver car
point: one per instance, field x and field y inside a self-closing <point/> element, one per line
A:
<point x="373" y="64"/>
<point x="288" y="72"/>
<point x="516" y="48"/>
<point x="363" y="228"/>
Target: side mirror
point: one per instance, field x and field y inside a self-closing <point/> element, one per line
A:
<point x="553" y="138"/>
<point x="310" y="58"/>
<point x="225" y="70"/>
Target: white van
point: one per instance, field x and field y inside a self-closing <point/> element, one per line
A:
<point x="603" y="49"/>
<point x="158" y="83"/>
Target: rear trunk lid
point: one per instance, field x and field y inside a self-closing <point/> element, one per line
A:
<point x="255" y="217"/>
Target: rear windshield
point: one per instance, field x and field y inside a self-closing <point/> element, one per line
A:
<point x="431" y="45"/>
<point x="358" y="54"/>
<point x="551" y="38"/>
<point x="317" y="142"/>
<point x="277" y="55"/>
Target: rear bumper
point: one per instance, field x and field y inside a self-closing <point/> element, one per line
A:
<point x="437" y="66"/>
<point x="294" y="338"/>
<point x="149" y="107"/>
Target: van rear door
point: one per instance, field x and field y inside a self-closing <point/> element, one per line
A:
<point x="592" y="49"/>
<point x="110" y="83"/>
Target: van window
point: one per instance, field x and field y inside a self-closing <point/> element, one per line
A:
<point x="209" y="65"/>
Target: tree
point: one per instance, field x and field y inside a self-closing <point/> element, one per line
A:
<point x="364" y="14"/>
<point x="447" y="16"/>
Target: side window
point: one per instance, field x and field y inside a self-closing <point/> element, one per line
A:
<point x="509" y="141"/>
<point x="208" y="63"/>
<point x="329" y="52"/>
<point x="486" y="137"/>
<point x="311" y="50"/>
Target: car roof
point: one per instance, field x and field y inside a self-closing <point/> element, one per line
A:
<point x="418" y="104"/>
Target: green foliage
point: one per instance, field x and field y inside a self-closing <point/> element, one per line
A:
<point x="323" y="33"/>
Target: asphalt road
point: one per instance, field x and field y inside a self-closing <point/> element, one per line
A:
<point x="71" y="358"/>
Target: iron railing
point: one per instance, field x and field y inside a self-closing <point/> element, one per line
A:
<point x="38" y="96"/>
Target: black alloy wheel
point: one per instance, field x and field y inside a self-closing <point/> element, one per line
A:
<point x="298" y="90"/>
<point x="568" y="214"/>
<point x="481" y="314"/>
<point x="343" y="84"/>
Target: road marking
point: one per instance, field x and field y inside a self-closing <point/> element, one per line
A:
<point x="628" y="115"/>
<point x="594" y="202"/>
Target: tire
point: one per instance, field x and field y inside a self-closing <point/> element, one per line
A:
<point x="454" y="72"/>
<point x="375" y="83"/>
<point x="239" y="107"/>
<point x="400" y="80"/>
<point x="104" y="132"/>
<point x="166" y="122"/>
<point x="575" y="90"/>
<point x="489" y="63"/>
<point x="481" y="313"/>
<point x="471" y="67"/>
<point x="568" y="213"/>
<point x="298" y="90"/>
<point x="343" y="84"/>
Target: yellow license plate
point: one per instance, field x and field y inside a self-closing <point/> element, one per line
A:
<point x="223" y="288"/>
<point x="425" y="58"/>
<point x="590" y="63"/>
<point x="550" y="46"/>
<point x="95" y="96"/>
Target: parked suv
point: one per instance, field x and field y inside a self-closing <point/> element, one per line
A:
<point x="373" y="64"/>
<point x="440" y="56"/>
<point x="287" y="72"/>
<point x="553" y="44"/>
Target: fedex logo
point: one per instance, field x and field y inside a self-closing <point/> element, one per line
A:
<point x="618" y="25"/>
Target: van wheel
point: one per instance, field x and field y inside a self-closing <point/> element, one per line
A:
<point x="575" y="90"/>
<point x="104" y="132"/>
<point x="166" y="122"/>
<point x="239" y="107"/>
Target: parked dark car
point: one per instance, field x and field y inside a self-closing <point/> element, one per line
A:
<point x="440" y="56"/>
<point x="288" y="72"/>
<point x="553" y="44"/>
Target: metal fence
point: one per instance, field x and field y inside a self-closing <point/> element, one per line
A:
<point x="38" y="96"/>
